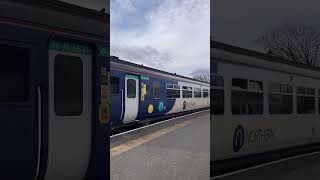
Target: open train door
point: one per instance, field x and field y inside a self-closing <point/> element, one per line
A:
<point x="70" y="110"/>
<point x="131" y="98"/>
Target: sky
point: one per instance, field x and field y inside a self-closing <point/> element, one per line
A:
<point x="170" y="35"/>
<point x="240" y="22"/>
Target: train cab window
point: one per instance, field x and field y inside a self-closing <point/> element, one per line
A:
<point x="173" y="91"/>
<point x="68" y="85"/>
<point x="205" y="93"/>
<point x="132" y="88"/>
<point x="186" y="92"/>
<point x="246" y="100"/>
<point x="156" y="89"/>
<point x="197" y="92"/>
<point x="14" y="74"/>
<point x="115" y="85"/>
<point x="305" y="100"/>
<point x="280" y="99"/>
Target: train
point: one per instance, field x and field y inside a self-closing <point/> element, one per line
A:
<point x="262" y="106"/>
<point x="54" y="72"/>
<point x="140" y="94"/>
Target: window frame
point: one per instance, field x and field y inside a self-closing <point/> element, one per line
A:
<point x="187" y="87"/>
<point x="198" y="90"/>
<point x="173" y="88"/>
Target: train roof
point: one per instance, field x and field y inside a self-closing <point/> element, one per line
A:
<point x="58" y="16"/>
<point x="125" y="65"/>
<point x="226" y="52"/>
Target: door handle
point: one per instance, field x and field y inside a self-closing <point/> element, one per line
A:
<point x="121" y="104"/>
<point x="39" y="118"/>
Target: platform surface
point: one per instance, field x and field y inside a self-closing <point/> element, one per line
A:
<point x="173" y="150"/>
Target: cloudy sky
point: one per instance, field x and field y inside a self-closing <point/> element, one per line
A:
<point x="171" y="35"/>
<point x="240" y="22"/>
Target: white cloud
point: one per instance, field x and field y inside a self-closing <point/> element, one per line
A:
<point x="177" y="34"/>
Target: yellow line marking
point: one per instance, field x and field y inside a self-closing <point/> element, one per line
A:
<point x="137" y="142"/>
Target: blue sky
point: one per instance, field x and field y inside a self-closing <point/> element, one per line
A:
<point x="171" y="35"/>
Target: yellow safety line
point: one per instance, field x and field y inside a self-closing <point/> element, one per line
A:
<point x="137" y="142"/>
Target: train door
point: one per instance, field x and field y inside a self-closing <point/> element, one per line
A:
<point x="131" y="98"/>
<point x="70" y="113"/>
<point x="20" y="110"/>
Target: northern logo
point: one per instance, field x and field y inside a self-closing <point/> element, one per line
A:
<point x="238" y="138"/>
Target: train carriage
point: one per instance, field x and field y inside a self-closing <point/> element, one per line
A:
<point x="142" y="94"/>
<point x="259" y="104"/>
<point x="53" y="65"/>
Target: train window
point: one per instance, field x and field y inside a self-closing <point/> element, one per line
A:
<point x="156" y="89"/>
<point x="131" y="88"/>
<point x="14" y="74"/>
<point x="217" y="101"/>
<point x="280" y="99"/>
<point x="305" y="100"/>
<point x="217" y="81"/>
<point x="115" y="85"/>
<point x="239" y="84"/>
<point x="280" y="104"/>
<point x="255" y="85"/>
<point x="310" y="91"/>
<point x="244" y="100"/>
<point x="205" y="93"/>
<point x="173" y="91"/>
<point x="305" y="105"/>
<point x="186" y="92"/>
<point x="301" y="90"/>
<point x="197" y="92"/>
<point x="68" y="85"/>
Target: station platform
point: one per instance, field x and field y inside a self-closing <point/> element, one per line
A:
<point x="305" y="166"/>
<point x="177" y="149"/>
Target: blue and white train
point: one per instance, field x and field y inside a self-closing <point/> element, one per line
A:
<point x="142" y="94"/>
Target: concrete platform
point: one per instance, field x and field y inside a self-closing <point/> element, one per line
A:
<point x="174" y="150"/>
<point x="305" y="167"/>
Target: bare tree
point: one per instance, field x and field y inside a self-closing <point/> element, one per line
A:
<point x="202" y="75"/>
<point x="299" y="43"/>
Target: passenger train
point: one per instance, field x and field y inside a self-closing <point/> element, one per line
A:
<point x="260" y="105"/>
<point x="141" y="94"/>
<point x="54" y="72"/>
